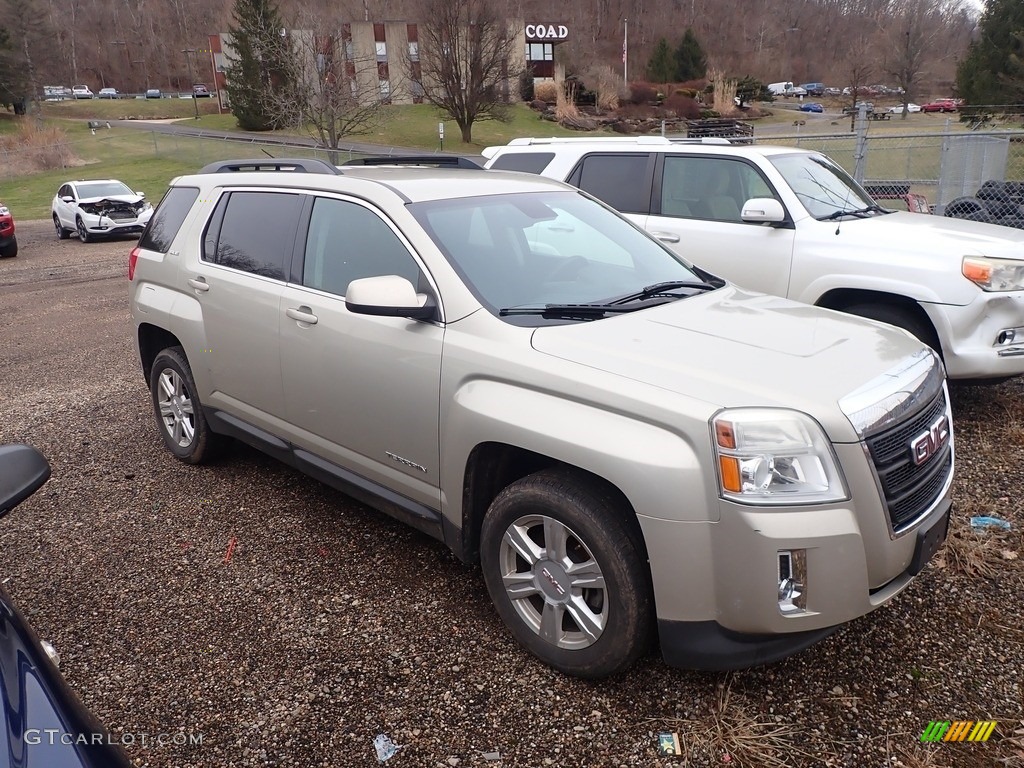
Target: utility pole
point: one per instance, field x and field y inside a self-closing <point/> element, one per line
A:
<point x="625" y="51"/>
<point x="192" y="78"/>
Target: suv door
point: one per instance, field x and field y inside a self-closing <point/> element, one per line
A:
<point x="238" y="279"/>
<point x="362" y="391"/>
<point x="66" y="211"/>
<point x="696" y="212"/>
<point x="622" y="180"/>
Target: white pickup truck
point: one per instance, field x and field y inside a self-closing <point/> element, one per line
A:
<point x="791" y="222"/>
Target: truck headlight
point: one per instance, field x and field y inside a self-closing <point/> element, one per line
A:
<point x="994" y="274"/>
<point x="775" y="456"/>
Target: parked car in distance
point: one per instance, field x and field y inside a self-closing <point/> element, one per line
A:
<point x="898" y="109"/>
<point x="109" y="93"/>
<point x="42" y="721"/>
<point x="536" y="382"/>
<point x="82" y="92"/>
<point x="940" y="105"/>
<point x="811" y="106"/>
<point x="855" y="109"/>
<point x="818" y="237"/>
<point x="8" y="241"/>
<point x="153" y="93"/>
<point x="97" y="208"/>
<point x="830" y="91"/>
<point x="814" y="89"/>
<point x="200" y="91"/>
<point x="57" y="93"/>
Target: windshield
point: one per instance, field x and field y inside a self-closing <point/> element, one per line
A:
<point x="546" y="248"/>
<point x="103" y="189"/>
<point x="823" y="187"/>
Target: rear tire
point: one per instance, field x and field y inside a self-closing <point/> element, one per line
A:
<point x="10" y="250"/>
<point x="179" y="414"/>
<point x="564" y="564"/>
<point x="901" y="317"/>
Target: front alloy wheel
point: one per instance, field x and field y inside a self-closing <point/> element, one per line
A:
<point x="564" y="561"/>
<point x="83" y="233"/>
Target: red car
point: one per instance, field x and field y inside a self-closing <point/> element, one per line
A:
<point x="940" y="105"/>
<point x="8" y="242"/>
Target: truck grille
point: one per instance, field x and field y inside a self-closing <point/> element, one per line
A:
<point x="909" y="489"/>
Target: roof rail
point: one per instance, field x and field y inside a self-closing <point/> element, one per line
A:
<point x="702" y="140"/>
<point x="292" y="164"/>
<point x="441" y="161"/>
<point x="584" y="139"/>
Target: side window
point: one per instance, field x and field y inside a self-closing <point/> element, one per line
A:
<point x="168" y="218"/>
<point x="711" y="188"/>
<point x="347" y="242"/>
<point x="617" y="180"/>
<point x="63" y="192"/>
<point x="253" y="232"/>
<point x="527" y="162"/>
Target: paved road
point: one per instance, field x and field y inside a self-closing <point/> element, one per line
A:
<point x="330" y="623"/>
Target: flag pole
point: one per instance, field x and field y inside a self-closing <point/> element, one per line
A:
<point x="625" y="51"/>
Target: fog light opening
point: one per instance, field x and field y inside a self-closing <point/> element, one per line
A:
<point x="1009" y="336"/>
<point x="792" y="581"/>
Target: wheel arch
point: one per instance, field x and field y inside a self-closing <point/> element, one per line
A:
<point x="152" y="339"/>
<point x="841" y="299"/>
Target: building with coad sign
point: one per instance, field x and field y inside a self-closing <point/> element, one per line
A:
<point x="395" y="46"/>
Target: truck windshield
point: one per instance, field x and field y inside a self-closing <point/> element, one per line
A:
<point x="548" y="248"/>
<point x="825" y="189"/>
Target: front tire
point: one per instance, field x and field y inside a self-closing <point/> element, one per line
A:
<point x="179" y="414"/>
<point x="83" y="233"/>
<point x="62" y="233"/>
<point x="564" y="564"/>
<point x="10" y="250"/>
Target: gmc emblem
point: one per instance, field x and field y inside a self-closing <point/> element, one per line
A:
<point x="928" y="443"/>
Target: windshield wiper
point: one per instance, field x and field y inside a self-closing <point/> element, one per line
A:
<point x="586" y="311"/>
<point x="663" y="289"/>
<point x="858" y="212"/>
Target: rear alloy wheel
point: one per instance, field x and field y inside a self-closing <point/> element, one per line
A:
<point x="563" y="562"/>
<point x="62" y="233"/>
<point x="83" y="233"/>
<point x="179" y="414"/>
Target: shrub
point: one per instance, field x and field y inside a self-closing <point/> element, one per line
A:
<point x="35" y="147"/>
<point x="546" y="90"/>
<point x="642" y="93"/>
<point x="526" y="85"/>
<point x="685" y="107"/>
<point x="607" y="85"/>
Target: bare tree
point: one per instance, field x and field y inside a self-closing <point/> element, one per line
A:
<point x="466" y="61"/>
<point x="331" y="93"/>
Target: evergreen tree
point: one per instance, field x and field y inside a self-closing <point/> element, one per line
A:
<point x="661" y="68"/>
<point x="691" y="63"/>
<point x="991" y="73"/>
<point x="259" y="63"/>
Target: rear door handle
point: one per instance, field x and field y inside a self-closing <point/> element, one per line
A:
<point x="666" y="237"/>
<point x="199" y="284"/>
<point x="302" y="314"/>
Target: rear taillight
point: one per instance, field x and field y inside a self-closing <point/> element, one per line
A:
<point x="133" y="257"/>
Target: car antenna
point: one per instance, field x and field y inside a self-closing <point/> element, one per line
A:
<point x="270" y="155"/>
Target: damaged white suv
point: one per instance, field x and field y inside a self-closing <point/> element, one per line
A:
<point x="99" y="208"/>
<point x="623" y="442"/>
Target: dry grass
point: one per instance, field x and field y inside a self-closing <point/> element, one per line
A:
<point x="729" y="733"/>
<point x="918" y="756"/>
<point x="546" y="90"/>
<point x="565" y="97"/>
<point x="973" y="552"/>
<point x="607" y="85"/>
<point x="724" y="93"/>
<point x="36" y="147"/>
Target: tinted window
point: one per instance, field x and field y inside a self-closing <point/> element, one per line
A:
<point x="167" y="219"/>
<point x="709" y="187"/>
<point x="619" y="180"/>
<point x="256" y="232"/>
<point x="348" y="242"/>
<point x="527" y="162"/>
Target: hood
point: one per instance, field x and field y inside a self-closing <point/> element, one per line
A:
<point x="942" y="234"/>
<point x="733" y="348"/>
<point x="112" y="200"/>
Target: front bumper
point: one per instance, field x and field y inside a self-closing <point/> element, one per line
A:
<point x="107" y="227"/>
<point x="970" y="334"/>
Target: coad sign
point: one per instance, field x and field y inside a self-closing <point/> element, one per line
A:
<point x="546" y="32"/>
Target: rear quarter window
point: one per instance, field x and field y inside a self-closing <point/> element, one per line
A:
<point x="527" y="162"/>
<point x="168" y="218"/>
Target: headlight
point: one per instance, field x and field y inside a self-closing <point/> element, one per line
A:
<point x="775" y="456"/>
<point x="4" y="210"/>
<point x="994" y="274"/>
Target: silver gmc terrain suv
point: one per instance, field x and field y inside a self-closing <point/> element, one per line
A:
<point x="624" y="443"/>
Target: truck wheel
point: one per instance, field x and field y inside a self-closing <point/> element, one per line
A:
<point x="901" y="317"/>
<point x="179" y="414"/>
<point x="565" y="567"/>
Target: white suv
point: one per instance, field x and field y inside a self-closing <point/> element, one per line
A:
<point x="82" y="92"/>
<point x="793" y="223"/>
<point x="95" y="208"/>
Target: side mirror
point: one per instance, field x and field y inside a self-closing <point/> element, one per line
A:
<point x="23" y="470"/>
<point x="763" y="210"/>
<point x="140" y="194"/>
<point x="68" y="199"/>
<point x="388" y="296"/>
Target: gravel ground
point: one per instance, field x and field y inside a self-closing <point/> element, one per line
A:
<point x="332" y="623"/>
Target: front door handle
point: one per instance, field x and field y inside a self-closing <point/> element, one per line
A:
<point x="666" y="237"/>
<point x="302" y="314"/>
<point x="199" y="284"/>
